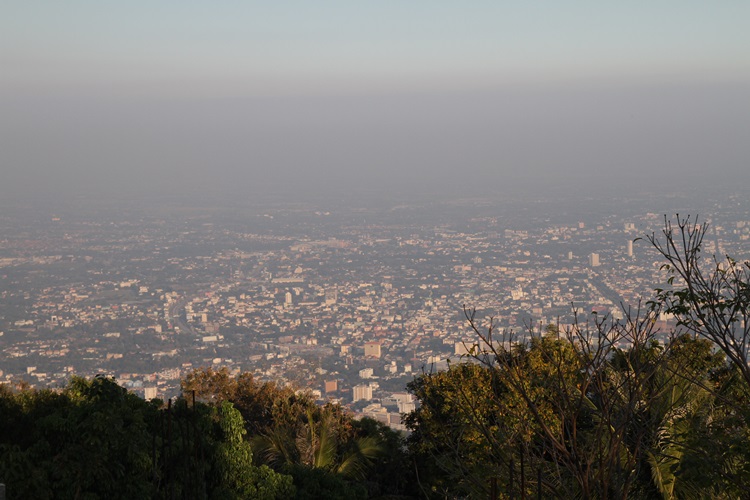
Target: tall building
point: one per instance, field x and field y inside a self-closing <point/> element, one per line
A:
<point x="405" y="401"/>
<point x="594" y="260"/>
<point x="630" y="248"/>
<point x="149" y="393"/>
<point x="362" y="392"/>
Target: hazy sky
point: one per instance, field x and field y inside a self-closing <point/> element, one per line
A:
<point x="240" y="97"/>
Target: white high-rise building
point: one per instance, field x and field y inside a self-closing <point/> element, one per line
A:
<point x="362" y="392"/>
<point x="594" y="260"/>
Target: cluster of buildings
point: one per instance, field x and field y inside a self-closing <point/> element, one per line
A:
<point x="348" y="308"/>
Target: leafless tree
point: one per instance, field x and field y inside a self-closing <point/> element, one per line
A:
<point x="709" y="297"/>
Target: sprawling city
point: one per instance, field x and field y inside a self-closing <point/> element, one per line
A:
<point x="349" y="302"/>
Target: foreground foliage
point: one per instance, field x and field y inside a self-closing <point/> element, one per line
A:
<point x="329" y="454"/>
<point x="657" y="420"/>
<point x="93" y="439"/>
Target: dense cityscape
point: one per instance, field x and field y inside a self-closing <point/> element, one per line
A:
<point x="374" y="250"/>
<point x="349" y="302"/>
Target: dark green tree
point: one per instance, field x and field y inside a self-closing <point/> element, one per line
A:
<point x="238" y="477"/>
<point x="90" y="441"/>
<point x="93" y="439"/>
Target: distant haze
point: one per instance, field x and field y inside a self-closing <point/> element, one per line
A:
<point x="231" y="101"/>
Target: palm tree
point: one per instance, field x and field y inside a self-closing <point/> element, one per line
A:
<point x="317" y="443"/>
<point x="680" y="404"/>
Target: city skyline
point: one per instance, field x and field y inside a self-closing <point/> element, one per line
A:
<point x="322" y="300"/>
